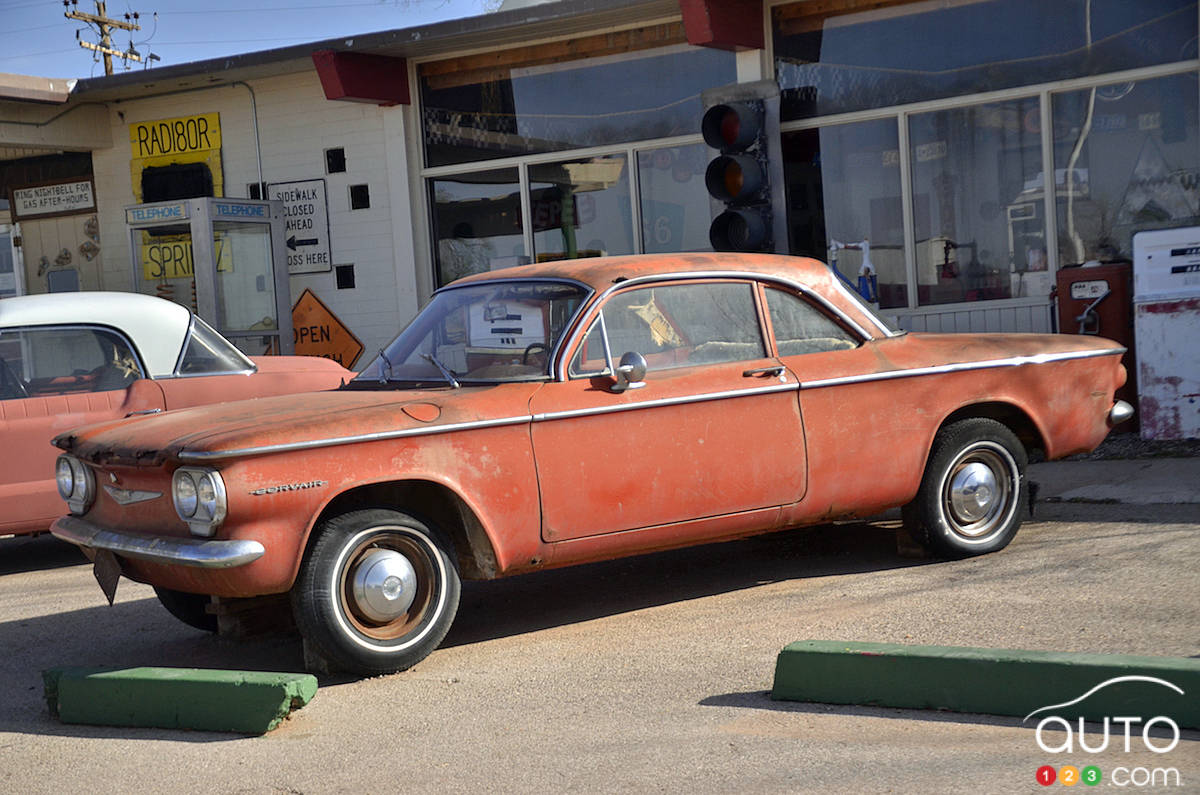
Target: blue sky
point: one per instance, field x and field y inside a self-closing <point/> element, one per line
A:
<point x="36" y="39"/>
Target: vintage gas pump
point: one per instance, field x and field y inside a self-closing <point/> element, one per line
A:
<point x="1097" y="299"/>
<point x="223" y="258"/>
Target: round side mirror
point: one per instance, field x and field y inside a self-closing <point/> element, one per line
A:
<point x="630" y="372"/>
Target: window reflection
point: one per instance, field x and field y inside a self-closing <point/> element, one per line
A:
<point x="1132" y="154"/>
<point x="843" y="184"/>
<point x="976" y="176"/>
<point x="580" y="208"/>
<point x="477" y="223"/>
<point x="529" y="108"/>
<point x="676" y="208"/>
<point x="834" y="63"/>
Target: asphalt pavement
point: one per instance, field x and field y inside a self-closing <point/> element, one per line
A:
<point x="648" y="674"/>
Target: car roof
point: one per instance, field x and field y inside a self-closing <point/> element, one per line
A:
<point x="156" y="326"/>
<point x="600" y="273"/>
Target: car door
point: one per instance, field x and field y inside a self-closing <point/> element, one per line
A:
<point x="53" y="379"/>
<point x="715" y="430"/>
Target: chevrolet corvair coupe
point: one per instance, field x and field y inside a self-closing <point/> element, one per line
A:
<point x="578" y="411"/>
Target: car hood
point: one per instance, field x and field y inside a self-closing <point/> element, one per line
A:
<point x="227" y="430"/>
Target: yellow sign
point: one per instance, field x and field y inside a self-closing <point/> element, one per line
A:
<point x="183" y="140"/>
<point x="170" y="257"/>
<point x="317" y="332"/>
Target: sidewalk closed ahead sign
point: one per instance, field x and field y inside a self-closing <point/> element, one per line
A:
<point x="306" y="214"/>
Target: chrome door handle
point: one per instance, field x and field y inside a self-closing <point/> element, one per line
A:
<point x="773" y="370"/>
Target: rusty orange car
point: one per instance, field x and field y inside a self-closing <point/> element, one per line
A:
<point x="69" y="359"/>
<point x="568" y="412"/>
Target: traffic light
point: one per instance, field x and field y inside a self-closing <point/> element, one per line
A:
<point x="737" y="177"/>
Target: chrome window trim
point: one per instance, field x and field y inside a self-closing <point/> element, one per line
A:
<point x="137" y="354"/>
<point x="747" y="276"/>
<point x="187" y="338"/>
<point x="1012" y="361"/>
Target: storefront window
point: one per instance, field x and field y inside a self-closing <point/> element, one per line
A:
<point x="843" y="185"/>
<point x="676" y="208"/>
<point x="479" y="111"/>
<point x="1133" y="155"/>
<point x="828" y="63"/>
<point x="476" y="223"/>
<point x="977" y="176"/>
<point x="581" y="208"/>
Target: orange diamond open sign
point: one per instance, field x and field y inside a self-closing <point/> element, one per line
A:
<point x="317" y="332"/>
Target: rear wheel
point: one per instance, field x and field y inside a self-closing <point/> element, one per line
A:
<point x="376" y="592"/>
<point x="188" y="608"/>
<point x="972" y="491"/>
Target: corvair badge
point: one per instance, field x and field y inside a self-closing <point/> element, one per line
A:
<point x="130" y="496"/>
<point x="312" y="484"/>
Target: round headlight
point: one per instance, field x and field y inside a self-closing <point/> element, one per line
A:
<point x="65" y="477"/>
<point x="206" y="493"/>
<point x="185" y="495"/>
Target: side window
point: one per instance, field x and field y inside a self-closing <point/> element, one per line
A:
<point x="676" y="325"/>
<point x="802" y="328"/>
<point x="208" y="353"/>
<point x="58" y="361"/>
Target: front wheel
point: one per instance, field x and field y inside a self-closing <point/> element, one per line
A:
<point x="376" y="592"/>
<point x="972" y="491"/>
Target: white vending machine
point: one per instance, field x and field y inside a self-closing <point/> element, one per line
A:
<point x="1166" y="305"/>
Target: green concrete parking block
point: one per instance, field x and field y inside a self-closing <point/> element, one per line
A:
<point x="247" y="702"/>
<point x="990" y="681"/>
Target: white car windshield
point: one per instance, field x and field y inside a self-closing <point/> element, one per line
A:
<point x="486" y="332"/>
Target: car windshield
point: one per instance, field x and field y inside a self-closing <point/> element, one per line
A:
<point x="487" y="332"/>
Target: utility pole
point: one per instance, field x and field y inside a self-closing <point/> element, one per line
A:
<point x="104" y="24"/>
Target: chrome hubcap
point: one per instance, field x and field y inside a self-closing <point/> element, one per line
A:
<point x="384" y="585"/>
<point x="979" y="491"/>
<point x="973" y="492"/>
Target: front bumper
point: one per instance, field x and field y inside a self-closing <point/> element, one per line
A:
<point x="202" y="553"/>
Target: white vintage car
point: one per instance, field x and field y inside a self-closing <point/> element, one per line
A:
<point x="71" y="359"/>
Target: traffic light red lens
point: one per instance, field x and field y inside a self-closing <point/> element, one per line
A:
<point x="731" y="127"/>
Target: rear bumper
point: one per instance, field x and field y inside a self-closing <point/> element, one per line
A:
<point x="1120" y="412"/>
<point x="202" y="553"/>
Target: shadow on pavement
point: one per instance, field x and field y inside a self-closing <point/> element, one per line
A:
<point x="541" y="600"/>
<point x="137" y="631"/>
<point x="33" y="553"/>
<point x="761" y="699"/>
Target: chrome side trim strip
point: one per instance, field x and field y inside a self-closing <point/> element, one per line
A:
<point x="676" y="401"/>
<point x="219" y="455"/>
<point x="200" y="553"/>
<point x="1013" y="361"/>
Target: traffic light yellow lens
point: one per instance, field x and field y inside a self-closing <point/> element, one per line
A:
<point x="734" y="180"/>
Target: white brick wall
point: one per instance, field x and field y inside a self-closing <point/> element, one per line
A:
<point x="296" y="125"/>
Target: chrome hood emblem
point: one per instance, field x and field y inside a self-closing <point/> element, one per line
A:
<point x="130" y="496"/>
